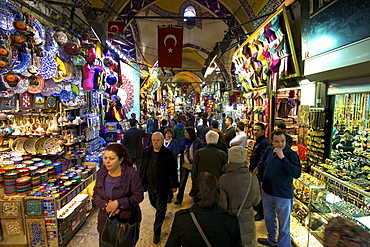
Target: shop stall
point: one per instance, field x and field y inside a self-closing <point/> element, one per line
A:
<point x="57" y="92"/>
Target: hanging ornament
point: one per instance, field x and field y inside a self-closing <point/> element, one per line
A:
<point x="71" y="48"/>
<point x="60" y="37"/>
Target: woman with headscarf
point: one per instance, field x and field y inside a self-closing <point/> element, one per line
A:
<point x="219" y="226"/>
<point x="118" y="187"/>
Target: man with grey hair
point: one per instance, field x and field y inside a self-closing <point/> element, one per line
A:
<point x="158" y="174"/>
<point x="209" y="158"/>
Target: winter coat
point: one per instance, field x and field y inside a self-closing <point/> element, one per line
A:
<point x="178" y="132"/>
<point x="166" y="175"/>
<point x="233" y="187"/>
<point x="210" y="159"/>
<point x="129" y="185"/>
<point x="133" y="140"/>
<point x="220" y="227"/>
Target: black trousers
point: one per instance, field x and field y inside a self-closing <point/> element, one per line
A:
<point x="159" y="202"/>
<point x="184" y="175"/>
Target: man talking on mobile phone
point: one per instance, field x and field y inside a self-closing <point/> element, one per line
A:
<point x="279" y="165"/>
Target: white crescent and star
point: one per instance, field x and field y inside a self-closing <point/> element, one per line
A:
<point x="170" y="36"/>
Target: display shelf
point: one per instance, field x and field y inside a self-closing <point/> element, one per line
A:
<point x="347" y="184"/>
<point x="20" y="241"/>
<point x="74" y="192"/>
<point x="301" y="237"/>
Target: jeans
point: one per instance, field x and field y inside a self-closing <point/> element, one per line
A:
<point x="184" y="175"/>
<point x="159" y="202"/>
<point x="277" y="218"/>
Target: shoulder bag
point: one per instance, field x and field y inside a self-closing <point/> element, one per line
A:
<point x="246" y="195"/>
<point x="200" y="229"/>
<point x="117" y="233"/>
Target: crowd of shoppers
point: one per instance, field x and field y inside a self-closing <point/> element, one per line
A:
<point x="225" y="191"/>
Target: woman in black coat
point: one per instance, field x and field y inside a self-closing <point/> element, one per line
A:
<point x="219" y="226"/>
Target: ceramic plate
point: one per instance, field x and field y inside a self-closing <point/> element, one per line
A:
<point x="8" y="14"/>
<point x="39" y="145"/>
<point x="39" y="28"/>
<point x="49" y="88"/>
<point x="22" y="86"/>
<point x="22" y="63"/>
<point x="69" y="71"/>
<point x="29" y="145"/>
<point x="64" y="96"/>
<point x="17" y="145"/>
<point x="50" y="44"/>
<point x="48" y="65"/>
<point x="37" y="84"/>
<point x="61" y="70"/>
<point x="51" y="146"/>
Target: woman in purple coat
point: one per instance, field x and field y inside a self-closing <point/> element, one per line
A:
<point x="118" y="187"/>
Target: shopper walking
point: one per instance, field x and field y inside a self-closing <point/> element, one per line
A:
<point x="188" y="146"/>
<point x="158" y="175"/>
<point x="219" y="226"/>
<point x="172" y="145"/>
<point x="178" y="130"/>
<point x="240" y="191"/>
<point x="133" y="140"/>
<point x="280" y="164"/>
<point x="209" y="158"/>
<point x="118" y="187"/>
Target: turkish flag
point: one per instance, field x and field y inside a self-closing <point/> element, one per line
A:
<point x="115" y="27"/>
<point x="170" y="47"/>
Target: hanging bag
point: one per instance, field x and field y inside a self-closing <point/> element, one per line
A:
<point x="117" y="233"/>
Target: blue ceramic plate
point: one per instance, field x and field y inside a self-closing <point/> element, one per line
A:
<point x="50" y="44"/>
<point x="22" y="63"/>
<point x="64" y="96"/>
<point x="48" y="65"/>
<point x="8" y="14"/>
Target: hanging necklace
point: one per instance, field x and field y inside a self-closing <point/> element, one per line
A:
<point x="166" y="143"/>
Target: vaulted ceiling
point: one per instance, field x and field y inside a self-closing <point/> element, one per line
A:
<point x="215" y="17"/>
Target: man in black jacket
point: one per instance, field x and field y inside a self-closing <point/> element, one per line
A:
<point x="158" y="174"/>
<point x="230" y="131"/>
<point x="257" y="153"/>
<point x="132" y="139"/>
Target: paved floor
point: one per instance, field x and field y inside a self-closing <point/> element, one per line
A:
<point x="88" y="234"/>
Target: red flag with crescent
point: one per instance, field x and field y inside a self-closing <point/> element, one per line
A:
<point x="170" y="47"/>
<point x="115" y="27"/>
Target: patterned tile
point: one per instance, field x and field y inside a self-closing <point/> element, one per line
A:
<point x="34" y="208"/>
<point x="10" y="209"/>
<point x="36" y="232"/>
<point x="12" y="228"/>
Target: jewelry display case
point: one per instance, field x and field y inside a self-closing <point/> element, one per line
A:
<point x="320" y="196"/>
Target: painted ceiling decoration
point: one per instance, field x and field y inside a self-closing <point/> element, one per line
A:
<point x="233" y="15"/>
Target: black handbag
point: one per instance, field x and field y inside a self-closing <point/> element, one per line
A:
<point x="117" y="233"/>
